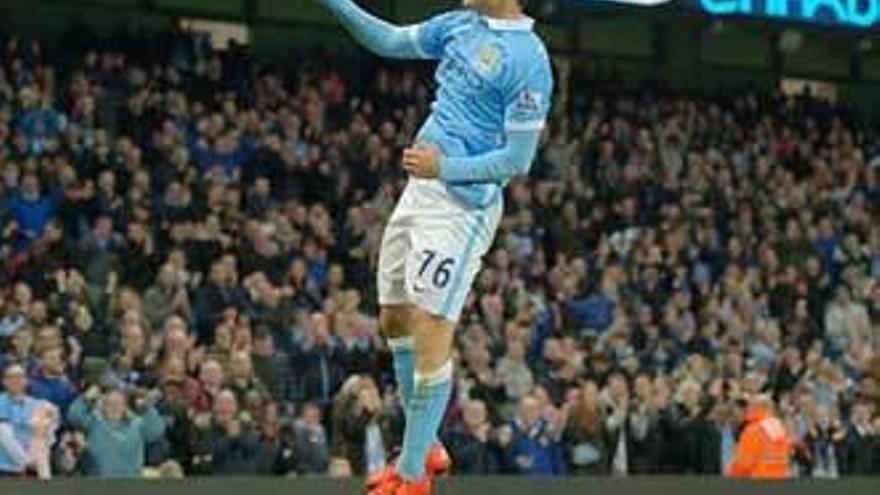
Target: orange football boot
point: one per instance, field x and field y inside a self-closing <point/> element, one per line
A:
<point x="437" y="463"/>
<point x="422" y="487"/>
<point x="385" y="482"/>
<point x="383" y="475"/>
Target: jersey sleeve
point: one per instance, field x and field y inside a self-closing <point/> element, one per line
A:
<point x="528" y="94"/>
<point x="431" y="36"/>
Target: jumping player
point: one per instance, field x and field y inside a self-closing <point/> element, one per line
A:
<point x="494" y="88"/>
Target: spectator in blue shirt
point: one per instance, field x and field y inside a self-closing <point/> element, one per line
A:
<point x="596" y="312"/>
<point x="51" y="382"/>
<point x="18" y="412"/>
<point x="534" y="447"/>
<point x="38" y="121"/>
<point x="318" y="358"/>
<point x="214" y="297"/>
<point x="30" y="209"/>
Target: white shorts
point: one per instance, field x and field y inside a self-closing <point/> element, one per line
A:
<point x="432" y="249"/>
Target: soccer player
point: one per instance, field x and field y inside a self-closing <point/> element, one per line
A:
<point x="494" y="88"/>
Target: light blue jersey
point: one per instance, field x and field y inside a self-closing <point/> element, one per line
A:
<point x="494" y="88"/>
<point x="494" y="79"/>
<point x="495" y="84"/>
<point x="494" y="91"/>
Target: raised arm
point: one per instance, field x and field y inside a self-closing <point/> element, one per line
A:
<point x="80" y="414"/>
<point x="377" y="35"/>
<point x="152" y="425"/>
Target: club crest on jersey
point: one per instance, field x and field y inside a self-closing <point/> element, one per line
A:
<point x="488" y="58"/>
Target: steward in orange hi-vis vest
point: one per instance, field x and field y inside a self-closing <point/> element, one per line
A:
<point x="764" y="448"/>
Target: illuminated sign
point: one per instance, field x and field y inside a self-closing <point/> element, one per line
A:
<point x="850" y="13"/>
<point x="857" y="13"/>
<point x="639" y="3"/>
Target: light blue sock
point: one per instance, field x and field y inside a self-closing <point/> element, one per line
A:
<point x="403" y="353"/>
<point x="424" y="413"/>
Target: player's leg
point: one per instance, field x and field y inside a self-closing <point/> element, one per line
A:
<point x="394" y="313"/>
<point x="448" y="243"/>
<point x="432" y="389"/>
<point x="395" y="327"/>
<point x="395" y="324"/>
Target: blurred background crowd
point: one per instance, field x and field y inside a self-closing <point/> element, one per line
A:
<point x="189" y="242"/>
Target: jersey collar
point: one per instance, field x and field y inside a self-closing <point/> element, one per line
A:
<point x="524" y="23"/>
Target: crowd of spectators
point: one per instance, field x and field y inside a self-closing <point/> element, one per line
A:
<point x="189" y="243"/>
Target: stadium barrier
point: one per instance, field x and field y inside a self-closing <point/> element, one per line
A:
<point x="452" y="486"/>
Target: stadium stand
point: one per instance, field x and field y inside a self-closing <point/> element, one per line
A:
<point x="189" y="245"/>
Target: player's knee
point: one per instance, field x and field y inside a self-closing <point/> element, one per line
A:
<point x="394" y="322"/>
<point x="430" y="359"/>
<point x="433" y="341"/>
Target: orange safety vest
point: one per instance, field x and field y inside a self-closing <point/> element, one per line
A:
<point x="764" y="449"/>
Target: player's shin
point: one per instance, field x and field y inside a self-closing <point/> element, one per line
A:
<point x="403" y="354"/>
<point x="425" y="412"/>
